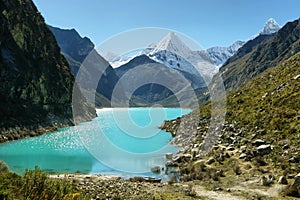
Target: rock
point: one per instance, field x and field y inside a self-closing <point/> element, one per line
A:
<point x="217" y="189"/>
<point x="258" y="142"/>
<point x="215" y="147"/>
<point x="282" y="180"/>
<point x="230" y="148"/>
<point x="297" y="180"/>
<point x="253" y="135"/>
<point x="296" y="77"/>
<point x="171" y="164"/>
<point x="210" y="161"/>
<point x="261" y="132"/>
<point x="156" y="169"/>
<point x="194" y="151"/>
<point x="243" y="149"/>
<point x="271" y="177"/>
<point x="267" y="180"/>
<point x="221" y="158"/>
<point x="243" y="156"/>
<point x="290" y="176"/>
<point x="220" y="173"/>
<point x="264" y="149"/>
<point x="169" y="156"/>
<point x="182" y="158"/>
<point x="286" y="146"/>
<point x="227" y="155"/>
<point x="293" y="160"/>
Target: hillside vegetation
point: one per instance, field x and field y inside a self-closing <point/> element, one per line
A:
<point x="261" y="135"/>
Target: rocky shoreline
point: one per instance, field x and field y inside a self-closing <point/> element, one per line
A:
<point x="21" y="132"/>
<point x="100" y="187"/>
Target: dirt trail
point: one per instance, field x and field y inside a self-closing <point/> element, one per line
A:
<point x="215" y="195"/>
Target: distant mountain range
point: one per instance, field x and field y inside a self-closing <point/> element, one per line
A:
<point x="220" y="55"/>
<point x="156" y="82"/>
<point x="170" y="52"/>
<point x="173" y="53"/>
<point x="79" y="49"/>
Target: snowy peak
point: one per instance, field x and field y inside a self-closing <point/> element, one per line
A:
<point x="270" y="27"/>
<point x="235" y="46"/>
<point x="219" y="55"/>
<point x="171" y="42"/>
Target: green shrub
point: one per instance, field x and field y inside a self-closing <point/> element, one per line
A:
<point x="34" y="185"/>
<point x="37" y="185"/>
<point x="3" y="167"/>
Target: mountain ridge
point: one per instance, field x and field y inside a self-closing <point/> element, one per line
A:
<point x="261" y="53"/>
<point x="151" y="90"/>
<point x="76" y="50"/>
<point x="36" y="82"/>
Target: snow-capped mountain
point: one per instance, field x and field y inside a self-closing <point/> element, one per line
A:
<point x="270" y="27"/>
<point x="115" y="60"/>
<point x="219" y="55"/>
<point x="172" y="52"/>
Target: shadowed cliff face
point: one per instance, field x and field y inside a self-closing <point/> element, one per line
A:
<point x="36" y="82"/>
<point x="78" y="51"/>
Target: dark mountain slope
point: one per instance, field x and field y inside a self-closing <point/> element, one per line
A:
<point x="253" y="59"/>
<point x="72" y="43"/>
<point x="73" y="46"/>
<point x="76" y="49"/>
<point x="248" y="47"/>
<point x="36" y="82"/>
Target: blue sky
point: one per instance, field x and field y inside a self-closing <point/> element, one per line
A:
<point x="209" y="22"/>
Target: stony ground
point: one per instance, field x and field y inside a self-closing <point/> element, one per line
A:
<point x="113" y="187"/>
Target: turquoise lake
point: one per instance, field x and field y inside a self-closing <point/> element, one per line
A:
<point x="119" y="141"/>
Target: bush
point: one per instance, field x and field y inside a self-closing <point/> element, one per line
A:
<point x="3" y="167"/>
<point x="37" y="185"/>
<point x="34" y="185"/>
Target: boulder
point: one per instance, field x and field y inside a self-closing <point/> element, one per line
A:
<point x="297" y="180"/>
<point x="258" y="142"/>
<point x="261" y="132"/>
<point x="156" y="169"/>
<point x="286" y="146"/>
<point x="182" y="158"/>
<point x="264" y="149"/>
<point x="169" y="156"/>
<point x="294" y="159"/>
<point x="215" y="147"/>
<point x="267" y="180"/>
<point x="243" y="156"/>
<point x="210" y="161"/>
<point x="171" y="164"/>
<point x="282" y="180"/>
<point x="243" y="149"/>
<point x="194" y="151"/>
<point x="230" y="148"/>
